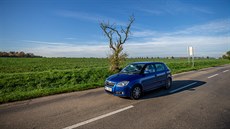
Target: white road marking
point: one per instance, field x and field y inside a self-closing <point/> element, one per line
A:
<point x="182" y="87"/>
<point x="98" y="118"/>
<point x="213" y="76"/>
<point x="225" y="71"/>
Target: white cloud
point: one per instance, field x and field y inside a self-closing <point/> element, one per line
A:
<point x="92" y="17"/>
<point x="162" y="46"/>
<point x="80" y="15"/>
<point x="177" y="46"/>
<point x="145" y="33"/>
<point x="53" y="49"/>
<point x="219" y="26"/>
<point x="43" y="42"/>
<point x="174" y="7"/>
<point x="211" y="28"/>
<point x="70" y="38"/>
<point x="203" y="10"/>
<point x="210" y="39"/>
<point x="151" y="11"/>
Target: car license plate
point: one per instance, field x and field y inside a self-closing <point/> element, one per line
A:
<point x="108" y="89"/>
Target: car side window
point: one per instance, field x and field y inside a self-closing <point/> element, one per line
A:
<point x="149" y="69"/>
<point x="159" y="67"/>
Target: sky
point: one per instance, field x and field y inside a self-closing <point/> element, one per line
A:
<point x="70" y="28"/>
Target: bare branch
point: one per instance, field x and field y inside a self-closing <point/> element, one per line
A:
<point x="120" y="37"/>
<point x="115" y="30"/>
<point x="108" y="34"/>
<point x="131" y="20"/>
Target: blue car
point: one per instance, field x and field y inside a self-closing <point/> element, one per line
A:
<point x="137" y="78"/>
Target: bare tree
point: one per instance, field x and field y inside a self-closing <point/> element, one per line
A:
<point x="117" y="37"/>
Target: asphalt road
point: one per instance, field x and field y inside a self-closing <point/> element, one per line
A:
<point x="198" y="100"/>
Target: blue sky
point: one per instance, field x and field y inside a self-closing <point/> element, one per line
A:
<point x="70" y="28"/>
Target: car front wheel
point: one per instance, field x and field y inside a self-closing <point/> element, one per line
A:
<point x="136" y="92"/>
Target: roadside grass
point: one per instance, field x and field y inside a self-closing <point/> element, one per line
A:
<point x="20" y="86"/>
<point x="21" y="80"/>
<point x="19" y="65"/>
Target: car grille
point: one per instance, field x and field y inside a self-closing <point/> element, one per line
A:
<point x="109" y="83"/>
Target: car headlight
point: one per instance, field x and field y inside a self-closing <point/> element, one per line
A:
<point x="123" y="83"/>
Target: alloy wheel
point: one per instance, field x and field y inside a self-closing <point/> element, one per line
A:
<point x="136" y="92"/>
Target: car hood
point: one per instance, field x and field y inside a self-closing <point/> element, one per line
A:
<point x="122" y="77"/>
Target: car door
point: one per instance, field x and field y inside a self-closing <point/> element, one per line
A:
<point x="149" y="77"/>
<point x="161" y="74"/>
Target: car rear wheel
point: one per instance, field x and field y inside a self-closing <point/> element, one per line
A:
<point x="136" y="92"/>
<point x="168" y="83"/>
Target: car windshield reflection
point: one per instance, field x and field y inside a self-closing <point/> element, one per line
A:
<point x="132" y="69"/>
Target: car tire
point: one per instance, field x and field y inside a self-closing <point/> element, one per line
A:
<point x="136" y="92"/>
<point x="168" y="84"/>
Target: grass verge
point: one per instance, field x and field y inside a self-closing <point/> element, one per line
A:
<point x="22" y="86"/>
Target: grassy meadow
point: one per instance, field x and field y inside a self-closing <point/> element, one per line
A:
<point x="25" y="78"/>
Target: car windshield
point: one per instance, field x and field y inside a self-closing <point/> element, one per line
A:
<point x="133" y="69"/>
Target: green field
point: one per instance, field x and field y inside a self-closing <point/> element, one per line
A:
<point x="25" y="78"/>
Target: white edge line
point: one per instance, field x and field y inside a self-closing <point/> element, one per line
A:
<point x="225" y="71"/>
<point x="213" y="76"/>
<point x="98" y="118"/>
<point x="182" y="87"/>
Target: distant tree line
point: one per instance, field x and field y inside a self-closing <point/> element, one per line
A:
<point x="17" y="54"/>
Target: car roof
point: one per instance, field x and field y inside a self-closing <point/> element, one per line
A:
<point x="146" y="62"/>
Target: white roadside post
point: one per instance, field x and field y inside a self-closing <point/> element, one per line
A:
<point x="191" y="54"/>
<point x="188" y="56"/>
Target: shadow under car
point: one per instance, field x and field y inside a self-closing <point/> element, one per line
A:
<point x="177" y="86"/>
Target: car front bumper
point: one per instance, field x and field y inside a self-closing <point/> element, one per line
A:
<point x="118" y="91"/>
